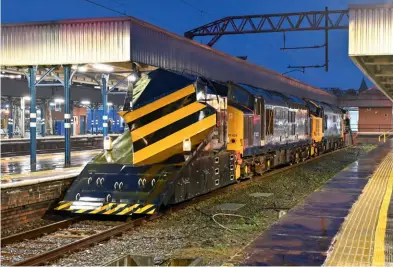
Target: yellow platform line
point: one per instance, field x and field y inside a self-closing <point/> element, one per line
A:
<point x="379" y="248"/>
<point x="354" y="245"/>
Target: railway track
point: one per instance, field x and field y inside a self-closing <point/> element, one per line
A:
<point x="55" y="240"/>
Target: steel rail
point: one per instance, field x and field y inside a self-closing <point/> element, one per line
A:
<point x="60" y="251"/>
<point x="117" y="230"/>
<point x="38" y="231"/>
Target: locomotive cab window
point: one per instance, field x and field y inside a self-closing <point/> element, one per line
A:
<point x="241" y="97"/>
<point x="325" y="122"/>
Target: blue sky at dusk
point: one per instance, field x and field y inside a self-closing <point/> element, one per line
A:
<point x="179" y="16"/>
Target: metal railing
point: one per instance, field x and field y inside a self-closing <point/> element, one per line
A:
<point x="388" y="133"/>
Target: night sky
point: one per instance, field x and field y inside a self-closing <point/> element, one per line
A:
<point x="181" y="15"/>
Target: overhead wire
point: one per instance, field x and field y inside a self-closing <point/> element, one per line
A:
<point x="193" y="6"/>
<point x="108" y="8"/>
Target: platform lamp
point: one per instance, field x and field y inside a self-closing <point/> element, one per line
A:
<point x="132" y="79"/>
<point x="87" y="104"/>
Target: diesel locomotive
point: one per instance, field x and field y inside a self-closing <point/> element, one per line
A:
<point x="188" y="135"/>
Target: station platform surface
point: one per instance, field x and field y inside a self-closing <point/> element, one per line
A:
<point x="16" y="139"/>
<point x="348" y="222"/>
<point x="17" y="169"/>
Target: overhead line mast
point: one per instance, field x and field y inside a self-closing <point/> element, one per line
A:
<point x="283" y="22"/>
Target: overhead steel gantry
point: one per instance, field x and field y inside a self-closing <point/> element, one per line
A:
<point x="285" y="22"/>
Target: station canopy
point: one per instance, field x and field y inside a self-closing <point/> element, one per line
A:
<point x="371" y="43"/>
<point x="114" y="45"/>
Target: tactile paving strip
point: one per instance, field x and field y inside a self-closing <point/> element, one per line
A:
<point x="354" y="245"/>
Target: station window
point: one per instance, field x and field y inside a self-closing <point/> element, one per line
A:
<point x="334" y="118"/>
<point x="269" y="122"/>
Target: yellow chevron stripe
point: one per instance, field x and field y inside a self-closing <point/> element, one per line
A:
<point x="66" y="205"/>
<point x="133" y="115"/>
<point x="151" y="212"/>
<point x="102" y="208"/>
<point x="166" y="120"/>
<point x="115" y="209"/>
<point x="129" y="209"/>
<point x="175" y="138"/>
<point x="141" y="210"/>
<point x="80" y="211"/>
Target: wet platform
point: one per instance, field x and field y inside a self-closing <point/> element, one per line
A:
<point x="49" y="144"/>
<point x="348" y="222"/>
<point x="49" y="166"/>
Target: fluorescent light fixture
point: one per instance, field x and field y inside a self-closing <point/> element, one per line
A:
<point x="7" y="106"/>
<point x="10" y="76"/>
<point x="27" y="98"/>
<point x="82" y="69"/>
<point x="59" y="100"/>
<point x="97" y="87"/>
<point x="109" y="104"/>
<point x="52" y="104"/>
<point x="37" y="78"/>
<point x="133" y="77"/>
<point x="103" y="67"/>
<point x="85" y="102"/>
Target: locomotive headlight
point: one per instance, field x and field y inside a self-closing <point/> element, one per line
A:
<point x="187" y="144"/>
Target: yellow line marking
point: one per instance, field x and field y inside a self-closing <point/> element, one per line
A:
<point x="379" y="248"/>
<point x="66" y="205"/>
<point x="354" y="244"/>
<point x="115" y="209"/>
<point x="102" y="208"/>
<point x="174" y="139"/>
<point x="141" y="210"/>
<point x="127" y="210"/>
<point x="133" y="115"/>
<point x="166" y="120"/>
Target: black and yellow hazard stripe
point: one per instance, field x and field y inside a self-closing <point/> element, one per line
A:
<point x="111" y="209"/>
<point x="179" y="96"/>
<point x="64" y="205"/>
<point x="159" y="128"/>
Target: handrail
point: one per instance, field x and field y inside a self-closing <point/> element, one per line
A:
<point x="388" y="133"/>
